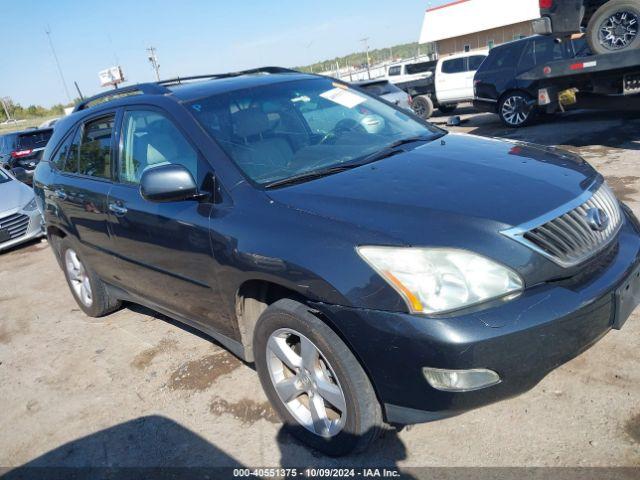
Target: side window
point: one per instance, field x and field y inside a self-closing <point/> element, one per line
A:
<point x="95" y="148"/>
<point x="151" y="140"/>
<point x="395" y="70"/>
<point x="547" y="50"/>
<point x="475" y="61"/>
<point x="455" y="65"/>
<point x="66" y="158"/>
<point x="59" y="160"/>
<point x="528" y="60"/>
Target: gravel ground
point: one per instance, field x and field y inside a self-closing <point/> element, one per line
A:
<point x="137" y="389"/>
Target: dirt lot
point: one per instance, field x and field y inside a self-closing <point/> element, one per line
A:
<point x="136" y="389"/>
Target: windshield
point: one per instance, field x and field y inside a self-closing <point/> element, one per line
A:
<point x="286" y="129"/>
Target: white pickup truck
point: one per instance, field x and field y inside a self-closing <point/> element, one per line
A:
<point x="441" y="84"/>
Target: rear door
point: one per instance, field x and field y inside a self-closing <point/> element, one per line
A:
<point x="451" y="80"/>
<point x="163" y="248"/>
<point x="84" y="174"/>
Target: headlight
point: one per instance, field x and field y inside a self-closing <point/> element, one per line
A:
<point x="29" y="207"/>
<point x="438" y="280"/>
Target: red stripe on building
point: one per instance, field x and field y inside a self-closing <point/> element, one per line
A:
<point x="450" y="4"/>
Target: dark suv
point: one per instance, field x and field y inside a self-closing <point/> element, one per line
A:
<point x="375" y="268"/>
<point x="500" y="85"/>
<point x="24" y="149"/>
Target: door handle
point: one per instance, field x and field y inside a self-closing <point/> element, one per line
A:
<point x="61" y="194"/>
<point x="118" y="210"/>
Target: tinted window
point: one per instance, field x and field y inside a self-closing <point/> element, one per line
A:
<point x="35" y="139"/>
<point x="151" y="140"/>
<point x="475" y="61"/>
<point x="528" y="60"/>
<point x="95" y="148"/>
<point x="419" y="67"/>
<point x="547" y="50"/>
<point x="502" y="57"/>
<point x="4" y="177"/>
<point x="395" y="70"/>
<point x="455" y="65"/>
<point x="63" y="159"/>
<point x="381" y="88"/>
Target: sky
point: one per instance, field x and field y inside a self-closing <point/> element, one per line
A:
<point x="191" y="37"/>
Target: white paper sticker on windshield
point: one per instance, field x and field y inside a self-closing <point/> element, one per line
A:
<point x="343" y="97"/>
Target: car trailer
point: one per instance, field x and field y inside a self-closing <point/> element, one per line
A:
<point x="608" y="81"/>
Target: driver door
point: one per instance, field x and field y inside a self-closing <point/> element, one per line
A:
<point x="163" y="248"/>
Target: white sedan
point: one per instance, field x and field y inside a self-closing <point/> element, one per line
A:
<point x="20" y="219"/>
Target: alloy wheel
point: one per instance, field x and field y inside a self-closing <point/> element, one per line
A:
<point x="306" y="383"/>
<point x="619" y="30"/>
<point x="515" y="110"/>
<point x="78" y="277"/>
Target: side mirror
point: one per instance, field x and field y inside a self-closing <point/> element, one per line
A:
<point x="168" y="183"/>
<point x="20" y="174"/>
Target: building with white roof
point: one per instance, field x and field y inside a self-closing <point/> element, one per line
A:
<point x="465" y="25"/>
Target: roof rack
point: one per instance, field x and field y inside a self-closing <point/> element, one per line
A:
<point x="213" y="76"/>
<point x="140" y="88"/>
<point x="160" y="88"/>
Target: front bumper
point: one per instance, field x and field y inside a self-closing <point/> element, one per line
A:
<point x="34" y="228"/>
<point x="522" y="339"/>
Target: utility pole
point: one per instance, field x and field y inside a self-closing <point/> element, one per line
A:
<point x="153" y="59"/>
<point x="55" y="57"/>
<point x="6" y="110"/>
<point x="366" y="46"/>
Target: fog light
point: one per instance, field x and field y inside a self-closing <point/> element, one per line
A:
<point x="460" y="380"/>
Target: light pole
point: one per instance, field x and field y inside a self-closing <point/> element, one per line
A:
<point x="366" y="46"/>
<point x="6" y="110"/>
<point x="55" y="57"/>
<point x="153" y="59"/>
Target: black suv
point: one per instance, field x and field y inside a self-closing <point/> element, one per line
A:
<point x="500" y="85"/>
<point x="374" y="267"/>
<point x="24" y="149"/>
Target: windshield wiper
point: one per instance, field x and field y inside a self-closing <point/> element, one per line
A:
<point x="303" y="177"/>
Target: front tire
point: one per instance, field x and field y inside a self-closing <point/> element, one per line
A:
<point x="515" y="109"/>
<point x="314" y="382"/>
<point x="88" y="290"/>
<point x="614" y="27"/>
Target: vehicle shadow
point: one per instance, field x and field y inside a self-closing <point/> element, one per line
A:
<point x="159" y="448"/>
<point x="144" y="448"/>
<point x="384" y="453"/>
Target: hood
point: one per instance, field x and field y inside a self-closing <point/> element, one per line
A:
<point x="463" y="178"/>
<point x="14" y="195"/>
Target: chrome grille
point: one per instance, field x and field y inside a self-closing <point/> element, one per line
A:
<point x="569" y="235"/>
<point x="16" y="225"/>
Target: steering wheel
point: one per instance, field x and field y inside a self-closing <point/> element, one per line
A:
<point x="343" y="126"/>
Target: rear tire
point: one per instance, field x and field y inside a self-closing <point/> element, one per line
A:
<point x="614" y="27"/>
<point x="87" y="289"/>
<point x="447" y="109"/>
<point x="515" y="110"/>
<point x="331" y="404"/>
<point x="422" y="106"/>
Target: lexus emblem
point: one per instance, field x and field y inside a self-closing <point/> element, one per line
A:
<point x="597" y="219"/>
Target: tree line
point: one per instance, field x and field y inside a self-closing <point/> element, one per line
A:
<point x="378" y="55"/>
<point x="19" y="112"/>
